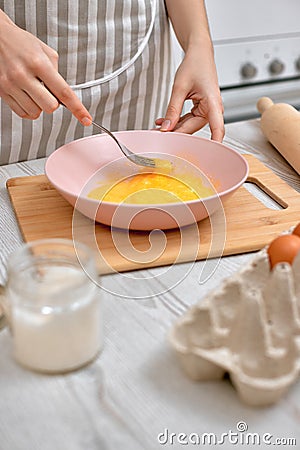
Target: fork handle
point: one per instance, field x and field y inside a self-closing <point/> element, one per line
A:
<point x="101" y="127"/>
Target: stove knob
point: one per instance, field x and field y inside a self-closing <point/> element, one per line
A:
<point x="276" y="67"/>
<point x="248" y="70"/>
<point x="297" y="63"/>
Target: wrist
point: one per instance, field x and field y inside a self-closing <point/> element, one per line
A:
<point x="198" y="41"/>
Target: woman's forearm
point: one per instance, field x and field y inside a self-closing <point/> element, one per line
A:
<point x="189" y="20"/>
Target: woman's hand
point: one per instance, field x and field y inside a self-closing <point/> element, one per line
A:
<point x="29" y="78"/>
<point x="195" y="80"/>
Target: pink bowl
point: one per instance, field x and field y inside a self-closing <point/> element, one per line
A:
<point x="75" y="168"/>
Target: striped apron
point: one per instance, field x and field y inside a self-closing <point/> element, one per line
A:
<point x="115" y="54"/>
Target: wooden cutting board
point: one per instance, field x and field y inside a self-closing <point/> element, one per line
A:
<point x="250" y="225"/>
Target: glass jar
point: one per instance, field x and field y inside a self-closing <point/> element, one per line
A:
<point x="52" y="305"/>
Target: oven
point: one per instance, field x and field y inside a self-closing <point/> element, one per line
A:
<point x="257" y="53"/>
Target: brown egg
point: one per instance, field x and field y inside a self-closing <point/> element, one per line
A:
<point x="297" y="230"/>
<point x="283" y="249"/>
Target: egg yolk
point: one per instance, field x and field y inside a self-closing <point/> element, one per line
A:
<point x="151" y="188"/>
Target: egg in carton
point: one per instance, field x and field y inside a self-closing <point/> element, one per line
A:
<point x="248" y="328"/>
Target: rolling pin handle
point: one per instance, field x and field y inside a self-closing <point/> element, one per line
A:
<point x="263" y="104"/>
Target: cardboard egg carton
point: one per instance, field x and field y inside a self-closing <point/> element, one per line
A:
<point x="249" y="328"/>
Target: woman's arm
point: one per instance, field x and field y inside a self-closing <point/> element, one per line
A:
<point x="196" y="78"/>
<point x="27" y="66"/>
<point x="189" y="20"/>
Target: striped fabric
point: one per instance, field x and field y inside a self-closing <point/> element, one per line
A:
<point x="114" y="53"/>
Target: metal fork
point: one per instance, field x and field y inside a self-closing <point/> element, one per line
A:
<point x="133" y="157"/>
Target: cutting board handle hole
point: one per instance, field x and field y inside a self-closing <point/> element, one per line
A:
<point x="266" y="198"/>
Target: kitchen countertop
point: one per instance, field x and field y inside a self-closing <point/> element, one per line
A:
<point x="135" y="390"/>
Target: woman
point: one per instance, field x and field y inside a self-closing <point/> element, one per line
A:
<point x="106" y="60"/>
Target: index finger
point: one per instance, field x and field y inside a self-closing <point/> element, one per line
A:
<point x="174" y="108"/>
<point x="216" y="125"/>
<point x="65" y="95"/>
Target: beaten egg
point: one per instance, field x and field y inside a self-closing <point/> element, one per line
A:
<point x="152" y="188"/>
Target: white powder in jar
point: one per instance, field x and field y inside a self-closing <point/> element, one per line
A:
<point x="60" y="327"/>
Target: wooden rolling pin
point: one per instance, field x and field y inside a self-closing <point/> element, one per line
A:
<point x="280" y="124"/>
